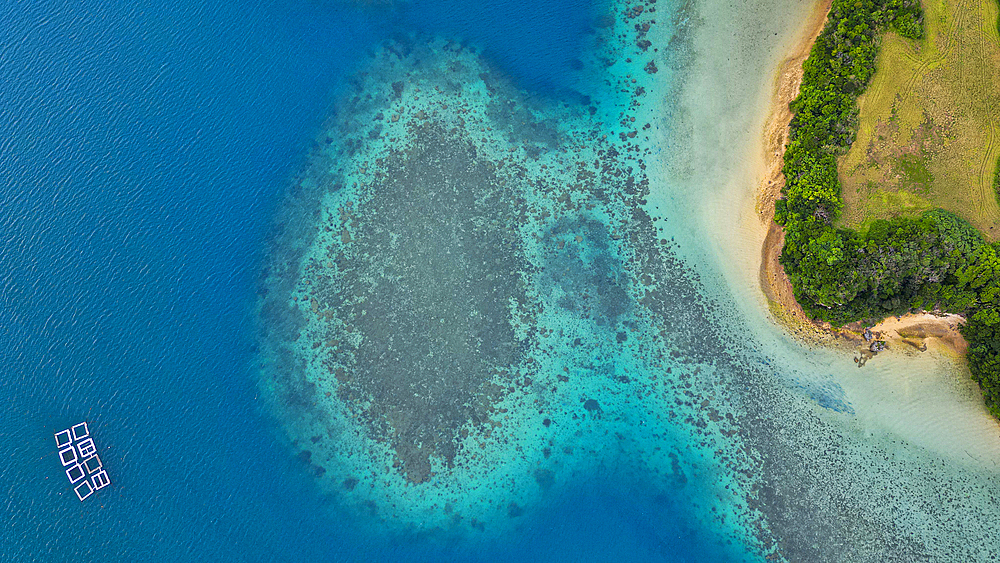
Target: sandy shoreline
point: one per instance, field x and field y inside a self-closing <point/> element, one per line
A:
<point x="773" y="281"/>
<point x="917" y="330"/>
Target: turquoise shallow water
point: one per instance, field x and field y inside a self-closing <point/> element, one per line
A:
<point x="541" y="358"/>
<point x="146" y="153"/>
<point x="468" y="314"/>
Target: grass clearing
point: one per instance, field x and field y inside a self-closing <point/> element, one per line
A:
<point x="929" y="123"/>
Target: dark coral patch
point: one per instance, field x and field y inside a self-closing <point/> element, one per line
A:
<point x="426" y="281"/>
<point x="545" y="478"/>
<point x="514" y="511"/>
<point x="586" y="270"/>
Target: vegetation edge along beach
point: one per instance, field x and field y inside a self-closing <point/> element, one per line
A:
<point x="933" y="262"/>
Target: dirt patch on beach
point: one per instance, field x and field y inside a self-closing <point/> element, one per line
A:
<point x="924" y="330"/>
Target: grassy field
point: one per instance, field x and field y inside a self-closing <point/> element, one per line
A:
<point x="929" y="132"/>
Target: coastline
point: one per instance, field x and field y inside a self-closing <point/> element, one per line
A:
<point x="919" y="330"/>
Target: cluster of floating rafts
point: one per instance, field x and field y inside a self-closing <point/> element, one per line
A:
<point x="78" y="455"/>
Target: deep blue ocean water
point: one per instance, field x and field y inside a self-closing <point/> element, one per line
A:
<point x="143" y="150"/>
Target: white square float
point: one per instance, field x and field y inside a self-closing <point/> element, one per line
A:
<point x="101" y="480"/>
<point x="84" y="490"/>
<point x="67" y="456"/>
<point x="75" y="473"/>
<point x="63" y="439"/>
<point x="92" y="463"/>
<point x="86" y="448"/>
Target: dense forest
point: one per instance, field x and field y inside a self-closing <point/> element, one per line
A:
<point x="936" y="261"/>
<point x="996" y="175"/>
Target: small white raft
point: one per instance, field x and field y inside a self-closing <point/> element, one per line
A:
<point x="78" y="455"/>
